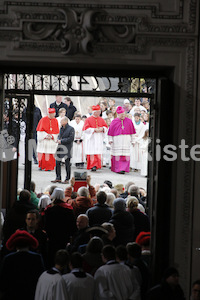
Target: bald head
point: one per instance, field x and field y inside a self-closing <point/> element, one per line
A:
<point x="82" y="221"/>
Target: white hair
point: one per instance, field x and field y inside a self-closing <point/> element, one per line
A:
<point x="83" y="191"/>
<point x="110" y="199"/>
<point x="58" y="194"/>
<point x="141" y="208"/>
<point x="44" y="201"/>
<point x="105" y="189"/>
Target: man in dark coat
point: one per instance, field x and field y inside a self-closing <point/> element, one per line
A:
<point x="37" y="115"/>
<point x="123" y="222"/>
<point x="64" y="150"/>
<point x="58" y="104"/>
<point x="168" y="289"/>
<point x="15" y="217"/>
<point x="101" y="212"/>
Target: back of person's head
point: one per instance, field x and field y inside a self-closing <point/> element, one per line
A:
<point x="58" y="194"/>
<point x="44" y="201"/>
<point x="83" y="192"/>
<point x="32" y="186"/>
<point x="74" y="195"/>
<point x="104" y="188"/>
<point x="101" y="197"/>
<point x="76" y="260"/>
<point x="119" y="204"/>
<point x="128" y="184"/>
<point x="51" y="189"/>
<point x="134" y="250"/>
<point x="109" y="252"/>
<point x="170" y="271"/>
<point x="121" y="253"/>
<point x="95" y="245"/>
<point x="62" y="258"/>
<point x="119" y="187"/>
<point x="110" y="199"/>
<point x="25" y="196"/>
<point x="108" y="182"/>
<point x="132" y="202"/>
<point x="133" y="190"/>
<point x="115" y="192"/>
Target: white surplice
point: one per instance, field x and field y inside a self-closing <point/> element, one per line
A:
<point x="113" y="282"/>
<point x="78" y="149"/>
<point x="144" y="150"/>
<point x="81" y="288"/>
<point x="51" y="287"/>
<point x="44" y="145"/>
<point x="94" y="141"/>
<point x="136" y="153"/>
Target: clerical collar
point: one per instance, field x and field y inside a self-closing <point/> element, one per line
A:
<point x="76" y="270"/>
<point x="79" y="273"/>
<point x="53" y="271"/>
<point x="111" y="262"/>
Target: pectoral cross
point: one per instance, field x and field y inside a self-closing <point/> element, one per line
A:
<point x="122" y="124"/>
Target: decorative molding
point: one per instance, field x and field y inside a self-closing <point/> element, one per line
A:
<point x="81" y="28"/>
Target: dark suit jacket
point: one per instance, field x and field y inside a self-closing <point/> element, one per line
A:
<point x="57" y="107"/>
<point x="66" y="136"/>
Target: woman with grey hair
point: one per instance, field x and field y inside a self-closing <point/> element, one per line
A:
<point x="110" y="199"/>
<point x="58" y="194"/>
<point x="44" y="201"/>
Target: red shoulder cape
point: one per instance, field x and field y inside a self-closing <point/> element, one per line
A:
<point x="93" y="122"/>
<point x="46" y="123"/>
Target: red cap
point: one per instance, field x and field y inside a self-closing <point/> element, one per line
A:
<point x="96" y="107"/>
<point x="51" y="110"/>
<point x="143" y="238"/>
<point x="21" y="238"/>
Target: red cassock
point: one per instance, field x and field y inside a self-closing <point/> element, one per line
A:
<point x="94" y="141"/>
<point x="47" y="148"/>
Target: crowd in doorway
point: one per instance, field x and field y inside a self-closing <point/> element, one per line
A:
<point x="136" y="109"/>
<point x="93" y="243"/>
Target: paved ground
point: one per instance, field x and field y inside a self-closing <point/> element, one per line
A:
<point x="43" y="179"/>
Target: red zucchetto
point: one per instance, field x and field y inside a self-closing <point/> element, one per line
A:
<point x="51" y="110"/>
<point x="96" y="107"/>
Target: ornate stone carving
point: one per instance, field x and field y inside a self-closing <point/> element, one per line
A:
<point x="81" y="28"/>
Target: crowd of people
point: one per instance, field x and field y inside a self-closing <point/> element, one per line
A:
<point x="93" y="242"/>
<point x="108" y="135"/>
<point x="89" y="244"/>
